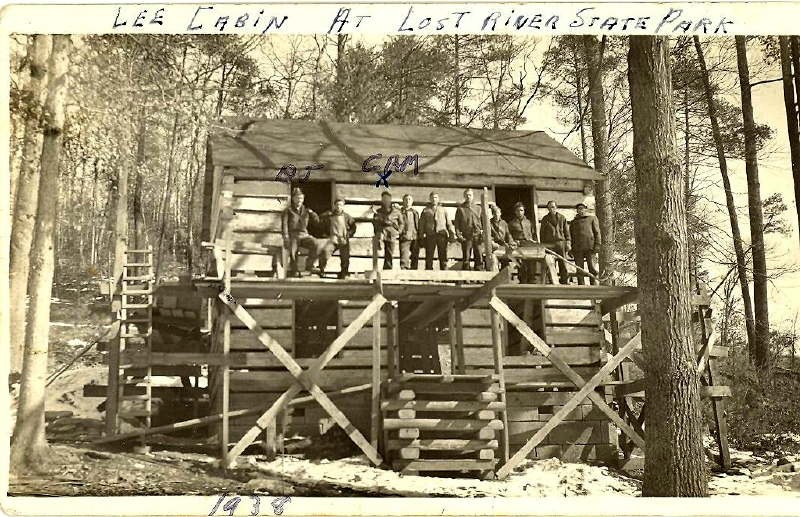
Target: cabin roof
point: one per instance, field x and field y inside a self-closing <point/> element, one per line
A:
<point x="269" y="144"/>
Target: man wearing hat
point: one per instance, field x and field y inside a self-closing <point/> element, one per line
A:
<point x="585" y="230"/>
<point x="294" y="227"/>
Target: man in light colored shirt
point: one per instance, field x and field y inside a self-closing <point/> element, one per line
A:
<point x="389" y="225"/>
<point x="409" y="239"/>
<point x="338" y="227"/>
<point x="435" y="231"/>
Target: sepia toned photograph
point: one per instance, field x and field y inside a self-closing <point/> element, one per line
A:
<point x="263" y="267"/>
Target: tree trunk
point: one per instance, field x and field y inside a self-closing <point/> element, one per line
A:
<point x="738" y="247"/>
<point x="579" y="98"/>
<point x="790" y="102"/>
<point x="139" y="240"/>
<point x="674" y="459"/>
<point x="605" y="215"/>
<point x="28" y="443"/>
<point x="339" y="100"/>
<point x="760" y="301"/>
<point x="27" y="195"/>
<point x="457" y="79"/>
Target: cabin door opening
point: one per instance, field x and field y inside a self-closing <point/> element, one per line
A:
<point x="319" y="198"/>
<point x="507" y="197"/>
<point x="418" y="347"/>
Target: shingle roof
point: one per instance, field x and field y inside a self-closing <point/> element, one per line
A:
<point x="263" y="143"/>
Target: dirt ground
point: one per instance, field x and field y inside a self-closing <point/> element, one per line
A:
<point x="185" y="467"/>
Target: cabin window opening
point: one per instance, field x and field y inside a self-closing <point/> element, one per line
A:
<point x="529" y="311"/>
<point x="316" y="325"/>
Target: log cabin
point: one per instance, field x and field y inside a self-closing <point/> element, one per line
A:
<point x="426" y="371"/>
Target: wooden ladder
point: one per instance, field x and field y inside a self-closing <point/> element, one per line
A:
<point x="136" y="331"/>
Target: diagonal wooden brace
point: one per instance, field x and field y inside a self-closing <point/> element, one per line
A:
<point x="561" y="414"/>
<point x="505" y="311"/>
<point x="305" y="379"/>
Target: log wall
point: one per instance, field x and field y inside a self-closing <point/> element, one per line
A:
<point x="255" y="203"/>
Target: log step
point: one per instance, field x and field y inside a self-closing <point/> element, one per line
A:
<point x="436" y="387"/>
<point x="443" y="465"/>
<point x="149" y="252"/>
<point x="137" y="277"/>
<point x="442" y="405"/>
<point x="138" y="264"/>
<point x="134" y="397"/>
<point x="441" y="444"/>
<point x="136" y="306"/>
<point x="441" y="424"/>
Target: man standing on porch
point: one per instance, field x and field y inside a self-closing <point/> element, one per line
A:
<point x="586" y="241"/>
<point x="521" y="231"/>
<point x="409" y="243"/>
<point x="435" y="231"/>
<point x="294" y="227"/>
<point x="389" y="225"/>
<point x="469" y="230"/>
<point x="555" y="233"/>
<point x="339" y="227"/>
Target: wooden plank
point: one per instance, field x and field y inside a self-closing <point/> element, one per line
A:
<point x="260" y="188"/>
<point x="613" y="304"/>
<point x="422" y="388"/>
<point x="256" y="222"/>
<point x="578" y="355"/>
<point x="573" y="317"/>
<point x="579" y="336"/>
<point x="352" y="358"/>
<point x="438" y="276"/>
<point x="375" y="414"/>
<point x="441" y="405"/>
<point x="476" y="317"/>
<point x="242" y="339"/>
<point x="269" y="318"/>
<point x="276" y="380"/>
<point x="443" y="444"/>
<point x="485" y="291"/>
<point x="441" y="424"/>
<point x="260" y="204"/>
<point x="590" y="432"/>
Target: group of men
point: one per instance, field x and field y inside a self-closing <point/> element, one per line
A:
<point x="405" y="230"/>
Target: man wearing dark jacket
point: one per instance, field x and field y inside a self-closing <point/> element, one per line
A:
<point x="409" y="242"/>
<point x="435" y="231"/>
<point x="294" y="228"/>
<point x="338" y="228"/>
<point x="520" y="226"/>
<point x="555" y="233"/>
<point x="389" y="226"/>
<point x="469" y="230"/>
<point x="586" y="242"/>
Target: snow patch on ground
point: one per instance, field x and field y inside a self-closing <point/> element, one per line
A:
<point x="544" y="478"/>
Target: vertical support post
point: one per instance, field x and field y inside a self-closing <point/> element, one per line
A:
<point x="535" y="212"/>
<point x="460" y="343"/>
<point x="490" y="263"/>
<point x="497" y="347"/>
<point x="453" y="340"/>
<point x="391" y="340"/>
<point x="717" y="404"/>
<point x="375" y="412"/>
<point x="376" y="242"/>
<point x="226" y="348"/>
